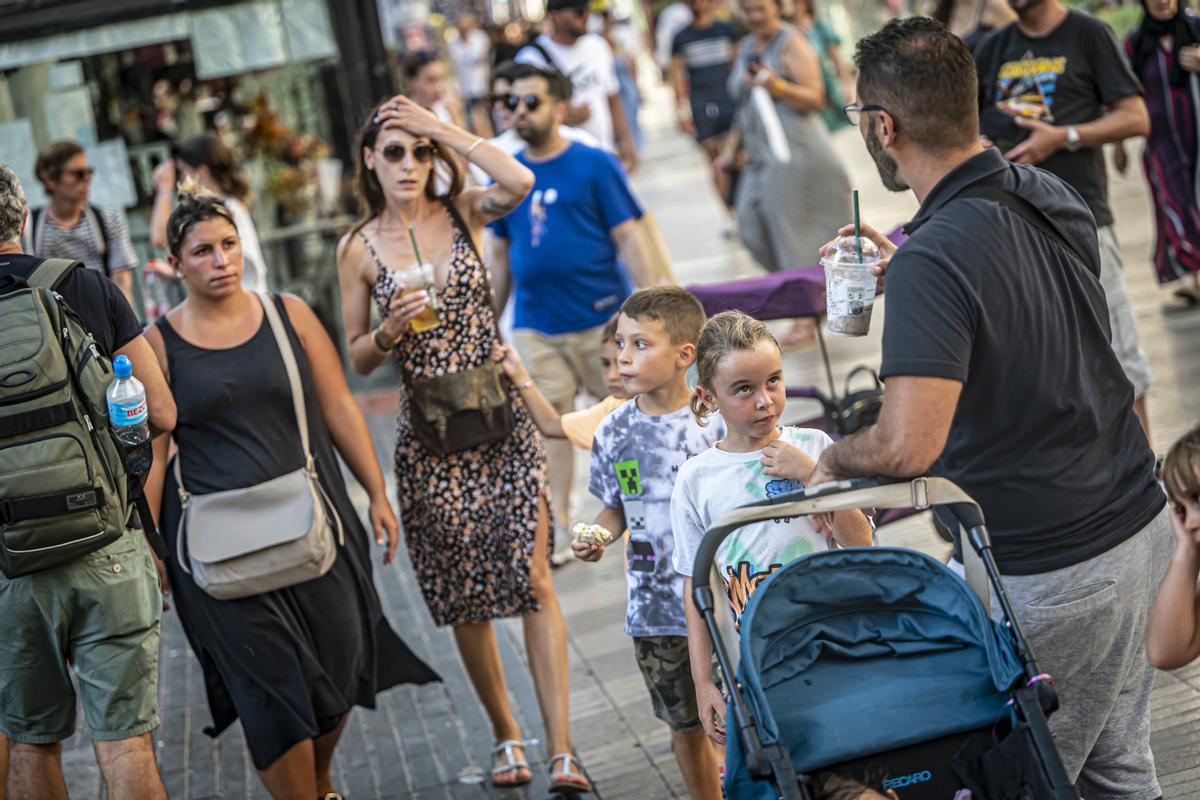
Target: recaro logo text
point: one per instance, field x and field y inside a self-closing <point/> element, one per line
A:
<point x="908" y="780"/>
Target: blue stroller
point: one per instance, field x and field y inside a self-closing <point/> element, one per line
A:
<point x="881" y="665"/>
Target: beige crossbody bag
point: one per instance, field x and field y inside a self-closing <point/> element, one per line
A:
<point x="278" y="533"/>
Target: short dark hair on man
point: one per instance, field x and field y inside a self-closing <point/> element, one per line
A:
<point x="53" y="158"/>
<point x="557" y="84"/>
<point x="925" y="77"/>
<point x="676" y="308"/>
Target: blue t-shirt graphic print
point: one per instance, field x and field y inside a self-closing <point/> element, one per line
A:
<point x="565" y="270"/>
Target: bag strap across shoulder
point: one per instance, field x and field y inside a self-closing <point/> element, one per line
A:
<point x="461" y="224"/>
<point x="293" y="372"/>
<point x="1034" y="215"/>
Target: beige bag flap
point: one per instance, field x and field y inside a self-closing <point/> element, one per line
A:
<point x="216" y="521"/>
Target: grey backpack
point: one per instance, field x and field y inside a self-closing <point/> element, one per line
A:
<point x="63" y="487"/>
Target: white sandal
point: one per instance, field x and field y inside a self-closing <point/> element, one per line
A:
<point x="511" y="763"/>
<point x="569" y="782"/>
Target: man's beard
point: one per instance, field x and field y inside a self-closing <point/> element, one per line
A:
<point x="1023" y="8"/>
<point x="886" y="165"/>
<point x="532" y="136"/>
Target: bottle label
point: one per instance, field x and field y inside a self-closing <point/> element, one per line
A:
<point x="124" y="414"/>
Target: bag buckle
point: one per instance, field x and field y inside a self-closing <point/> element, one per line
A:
<point x="185" y="496"/>
<point x="920" y="494"/>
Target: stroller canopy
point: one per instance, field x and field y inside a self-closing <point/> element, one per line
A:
<point x="849" y="653"/>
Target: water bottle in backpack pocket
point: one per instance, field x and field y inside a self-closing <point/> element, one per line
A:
<point x="63" y="487"/>
<point x="129" y="418"/>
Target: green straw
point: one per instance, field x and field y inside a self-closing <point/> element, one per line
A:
<point x="412" y="237"/>
<point x="857" y="229"/>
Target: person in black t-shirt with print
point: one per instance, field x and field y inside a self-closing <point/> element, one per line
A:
<point x="1054" y="88"/>
<point x="701" y="58"/>
<point x="1000" y="377"/>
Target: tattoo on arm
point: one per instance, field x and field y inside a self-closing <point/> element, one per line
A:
<point x="494" y="206"/>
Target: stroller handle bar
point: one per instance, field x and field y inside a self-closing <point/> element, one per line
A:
<point x="845" y="495"/>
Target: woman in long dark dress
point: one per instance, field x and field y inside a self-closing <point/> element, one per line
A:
<point x="1165" y="53"/>
<point x="289" y="663"/>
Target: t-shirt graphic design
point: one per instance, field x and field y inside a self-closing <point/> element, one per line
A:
<point x="635" y="458"/>
<point x="718" y="481"/>
<point x="1025" y="88"/>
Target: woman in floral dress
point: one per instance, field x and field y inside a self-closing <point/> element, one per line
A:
<point x="476" y="521"/>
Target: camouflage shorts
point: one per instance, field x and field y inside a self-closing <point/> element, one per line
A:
<point x="667" y="671"/>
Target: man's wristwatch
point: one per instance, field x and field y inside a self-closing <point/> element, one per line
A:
<point x="1073" y="140"/>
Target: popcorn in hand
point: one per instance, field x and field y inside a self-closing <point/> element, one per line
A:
<point x="597" y="535"/>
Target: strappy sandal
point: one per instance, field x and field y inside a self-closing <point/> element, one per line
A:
<point x="512" y="764"/>
<point x="566" y="780"/>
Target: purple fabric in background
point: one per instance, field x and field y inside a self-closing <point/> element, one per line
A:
<point x="788" y="294"/>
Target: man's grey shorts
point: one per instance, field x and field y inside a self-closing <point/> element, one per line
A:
<point x="1120" y="313"/>
<point x="1087" y="626"/>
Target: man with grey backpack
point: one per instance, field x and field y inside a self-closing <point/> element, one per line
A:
<point x="79" y="588"/>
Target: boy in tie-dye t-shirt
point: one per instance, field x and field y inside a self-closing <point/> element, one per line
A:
<point x="636" y="454"/>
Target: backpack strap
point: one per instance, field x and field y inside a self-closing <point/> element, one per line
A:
<point x="100" y="236"/>
<point x="1035" y="216"/>
<point x="51" y="272"/>
<point x="35" y="231"/>
<point x="549" y="59"/>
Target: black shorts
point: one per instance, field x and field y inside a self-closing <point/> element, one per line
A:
<point x="712" y="116"/>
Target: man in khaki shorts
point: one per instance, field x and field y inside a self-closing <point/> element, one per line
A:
<point x="97" y="616"/>
<point x="564" y="251"/>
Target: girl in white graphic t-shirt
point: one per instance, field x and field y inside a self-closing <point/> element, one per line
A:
<point x="741" y="375"/>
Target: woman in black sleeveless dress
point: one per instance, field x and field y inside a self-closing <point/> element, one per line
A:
<point x="289" y="663"/>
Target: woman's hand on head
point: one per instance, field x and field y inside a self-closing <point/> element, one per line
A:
<point x="411" y="116"/>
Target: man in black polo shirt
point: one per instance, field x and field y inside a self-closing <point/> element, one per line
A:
<point x="1000" y="377"/>
<point x="1054" y="88"/>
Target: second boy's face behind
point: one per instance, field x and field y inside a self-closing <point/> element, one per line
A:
<point x="647" y="358"/>
<point x="612" y="370"/>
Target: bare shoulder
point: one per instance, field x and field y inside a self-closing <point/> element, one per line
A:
<point x="350" y="248"/>
<point x="298" y="311"/>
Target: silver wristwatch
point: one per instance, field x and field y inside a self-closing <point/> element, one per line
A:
<point x="1073" y="140"/>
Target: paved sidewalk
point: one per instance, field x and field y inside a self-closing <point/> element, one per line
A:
<point x="433" y="741"/>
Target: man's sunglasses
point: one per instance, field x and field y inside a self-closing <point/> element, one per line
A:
<point x="512" y="102"/>
<point x="422" y="152"/>
<point x="84" y="174"/>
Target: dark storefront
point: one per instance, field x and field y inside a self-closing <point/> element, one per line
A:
<point x="284" y="82"/>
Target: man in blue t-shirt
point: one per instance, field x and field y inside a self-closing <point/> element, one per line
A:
<point x="562" y="251"/>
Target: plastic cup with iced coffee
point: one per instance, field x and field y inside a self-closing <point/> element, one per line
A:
<point x="414" y="279"/>
<point x="850" y="285"/>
